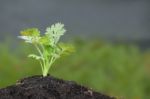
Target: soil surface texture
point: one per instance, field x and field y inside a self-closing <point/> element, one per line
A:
<point x="38" y="87"/>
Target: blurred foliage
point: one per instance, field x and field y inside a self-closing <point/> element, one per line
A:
<point x="117" y="69"/>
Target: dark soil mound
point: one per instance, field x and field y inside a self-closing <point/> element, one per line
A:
<point x="38" y="87"/>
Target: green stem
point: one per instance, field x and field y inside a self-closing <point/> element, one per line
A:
<point x="43" y="63"/>
<point x="41" y="66"/>
<point x="39" y="50"/>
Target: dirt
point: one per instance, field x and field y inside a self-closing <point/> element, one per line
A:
<point x="38" y="87"/>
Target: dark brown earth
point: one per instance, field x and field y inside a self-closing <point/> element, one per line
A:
<point x="38" y="87"/>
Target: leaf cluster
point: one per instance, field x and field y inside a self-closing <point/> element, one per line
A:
<point x="47" y="45"/>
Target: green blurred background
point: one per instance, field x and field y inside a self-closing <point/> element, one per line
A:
<point x="119" y="69"/>
<point x="111" y="37"/>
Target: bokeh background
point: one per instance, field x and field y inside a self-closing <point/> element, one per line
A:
<point x="112" y="40"/>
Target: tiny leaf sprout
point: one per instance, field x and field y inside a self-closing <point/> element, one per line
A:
<point x="48" y="47"/>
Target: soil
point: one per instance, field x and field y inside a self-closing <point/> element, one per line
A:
<point x="38" y="87"/>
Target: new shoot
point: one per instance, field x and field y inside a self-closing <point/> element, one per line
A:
<point x="48" y="46"/>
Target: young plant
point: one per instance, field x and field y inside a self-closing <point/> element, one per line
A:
<point x="48" y="45"/>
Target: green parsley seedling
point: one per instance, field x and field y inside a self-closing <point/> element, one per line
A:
<point x="48" y="46"/>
